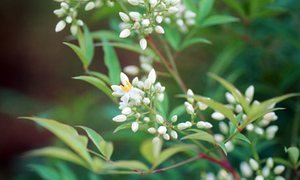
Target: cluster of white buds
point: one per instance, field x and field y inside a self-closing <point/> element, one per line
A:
<point x="184" y="18"/>
<point x="261" y="128"/>
<point x="252" y="169"/>
<point x="68" y="12"/>
<point x="146" y="23"/>
<point x="146" y="64"/>
<point x="221" y="175"/>
<point x="191" y="107"/>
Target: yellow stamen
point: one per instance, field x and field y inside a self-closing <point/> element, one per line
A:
<point x="126" y="87"/>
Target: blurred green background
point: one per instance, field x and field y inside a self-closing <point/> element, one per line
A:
<point x="36" y="70"/>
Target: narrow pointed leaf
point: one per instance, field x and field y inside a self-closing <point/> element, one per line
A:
<point x="130" y="164"/>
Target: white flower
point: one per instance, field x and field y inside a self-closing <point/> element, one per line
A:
<point x="131" y="70"/>
<point x="143" y="43"/>
<point x="146" y="101"/>
<point x="279" y="169"/>
<point x="134" y="126"/>
<point x="162" y="130"/>
<point x="119" y="118"/>
<point x="254" y="165"/>
<point x="125" y="33"/>
<point x="218" y="116"/>
<point x="60" y="26"/>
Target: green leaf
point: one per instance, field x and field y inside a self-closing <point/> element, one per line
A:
<point x="58" y="153"/>
<point x="107" y="148"/>
<point x="45" y="172"/>
<point x="112" y="62"/>
<point x="96" y="139"/>
<point x="122" y="126"/>
<point x="282" y="161"/>
<point x="167" y="153"/>
<point x="237" y="6"/>
<point x="98" y="83"/>
<point x="146" y="150"/>
<point x="179" y="110"/>
<point x="218" y="107"/>
<point x="234" y="91"/>
<point x="205" y="8"/>
<point x="193" y="41"/>
<point x="100" y="76"/>
<point x="67" y="134"/>
<point x="293" y="153"/>
<point x="242" y="137"/>
<point x="80" y="53"/>
<point x="65" y="172"/>
<point x="164" y="106"/>
<point x="218" y="19"/>
<point x="173" y="37"/>
<point x="222" y="146"/>
<point x="109" y="35"/>
<point x="130" y="164"/>
<point x="201" y="135"/>
<point x="190" y="5"/>
<point x="89" y="45"/>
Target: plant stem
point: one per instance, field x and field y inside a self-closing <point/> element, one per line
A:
<point x="167" y="65"/>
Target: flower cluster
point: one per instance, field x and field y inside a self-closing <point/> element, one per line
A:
<point x="146" y="23"/>
<point x="68" y="13"/>
<point x="261" y="128"/>
<point x="183" y="19"/>
<point x="252" y="168"/>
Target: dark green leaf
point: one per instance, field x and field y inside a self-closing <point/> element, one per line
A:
<point x="218" y="19"/>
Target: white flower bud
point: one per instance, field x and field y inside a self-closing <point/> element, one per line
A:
<point x="189" y="108"/>
<point x="119" y="118"/>
<point x="136" y="16"/>
<point x="279" y="169"/>
<point x="60" y="26"/>
<point x="69" y="19"/>
<point x="245" y="169"/>
<point x="124" y="17"/>
<point x="134" y="2"/>
<point x="172" y="10"/>
<point x="126" y="111"/>
<point x="174" y="118"/>
<point x="159" y="19"/>
<point x="250" y="92"/>
<point x="59" y="12"/>
<point x="162" y="130"/>
<point x="189" y="14"/>
<point x="250" y="127"/>
<point x="146" y="119"/>
<point x="254" y="165"/>
<point x="64" y="5"/>
<point x="270" y="163"/>
<point x="223" y="127"/>
<point x="259" y="131"/>
<point x="230" y="98"/>
<point x="134" y="126"/>
<point x="152" y="76"/>
<point x="159" y="29"/>
<point x="174" y="134"/>
<point x="188" y="124"/>
<point x="153" y="3"/>
<point x="131" y="70"/>
<point x="200" y="124"/>
<point x="125" y="33"/>
<point x="146" y="101"/>
<point x="202" y="106"/>
<point x="269" y="116"/>
<point x="145" y="22"/>
<point x="260" y="177"/>
<point x="159" y="119"/>
<point x="279" y="178"/>
<point x="181" y="126"/>
<point x="238" y="108"/>
<point x="218" y="116"/>
<point x="271" y="131"/>
<point x="166" y="137"/>
<point x="152" y="130"/>
<point x="229" y="146"/>
<point x="265" y="171"/>
<point x="89" y="6"/>
<point x="143" y="43"/>
<point x="74" y="29"/>
<point x="208" y="125"/>
<point x="79" y="22"/>
<point x="219" y="137"/>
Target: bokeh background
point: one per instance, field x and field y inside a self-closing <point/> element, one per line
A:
<point x="37" y="69"/>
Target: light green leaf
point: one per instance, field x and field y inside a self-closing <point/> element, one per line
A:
<point x="101" y="76"/>
<point x="164" y="106"/>
<point x="222" y="146"/>
<point x="218" y="19"/>
<point x="146" y="150"/>
<point x="96" y="138"/>
<point x="179" y="110"/>
<point x="201" y="135"/>
<point x="167" y="153"/>
<point x="205" y="8"/>
<point x="58" y="153"/>
<point x="130" y="164"/>
<point x="45" y="172"/>
<point x="109" y="35"/>
<point x="107" y="149"/>
<point x="122" y="126"/>
<point x="234" y="91"/>
<point x="89" y="45"/>
<point x="190" y="5"/>
<point x="80" y="53"/>
<point x="98" y="84"/>
<point x="293" y="153"/>
<point x="112" y="62"/>
<point x="193" y="41"/>
<point x="242" y="137"/>
<point x="218" y="107"/>
<point x="67" y="134"/>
